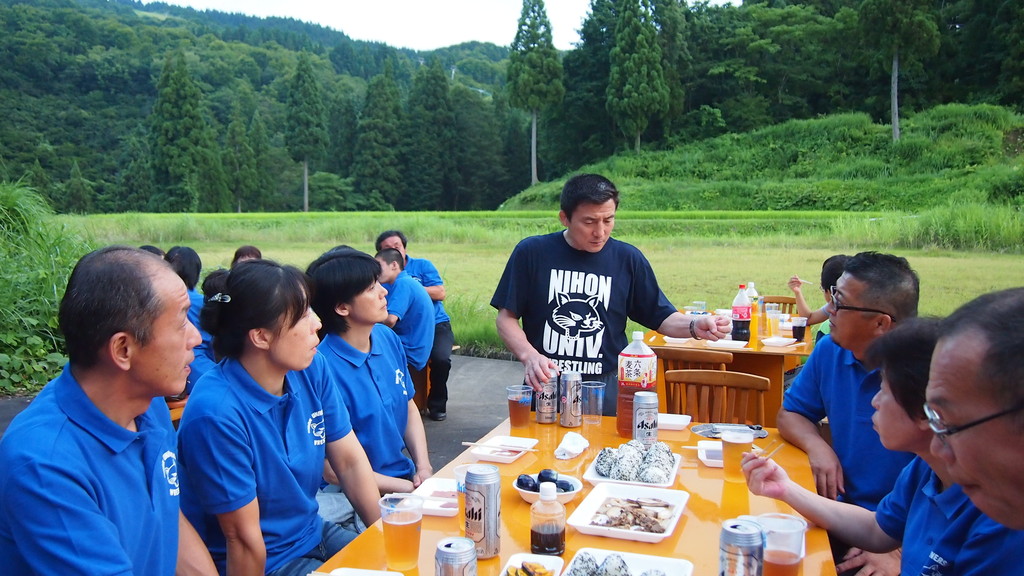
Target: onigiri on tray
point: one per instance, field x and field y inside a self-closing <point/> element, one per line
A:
<point x="634" y="463"/>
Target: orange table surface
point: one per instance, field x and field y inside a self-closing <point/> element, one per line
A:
<point x="712" y="500"/>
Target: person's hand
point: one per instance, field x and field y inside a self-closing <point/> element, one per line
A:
<point x="539" y="369"/>
<point x="796" y="284"/>
<point x="764" y="476"/>
<point x="870" y="563"/>
<point x="828" y="472"/>
<point x="421" y="474"/>
<point x="712" y="327"/>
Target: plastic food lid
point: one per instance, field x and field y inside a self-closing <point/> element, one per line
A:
<point x="548" y="491"/>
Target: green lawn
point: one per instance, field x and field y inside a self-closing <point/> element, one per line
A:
<point x="696" y="256"/>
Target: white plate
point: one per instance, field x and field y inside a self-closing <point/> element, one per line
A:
<point x="671" y="340"/>
<point x="553" y="563"/>
<point x="500" y="454"/>
<point x="673" y="421"/>
<point x="638" y="563"/>
<point x="439" y="488"/>
<point x="710" y="453"/>
<point x="778" y="341"/>
<point x="594" y="478"/>
<point x="731" y="344"/>
<point x="360" y="572"/>
<point x="580" y="519"/>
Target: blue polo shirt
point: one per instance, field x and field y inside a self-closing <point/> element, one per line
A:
<point x="80" y="494"/>
<point x="943" y="533"/>
<point x="424" y="272"/>
<point x="415" y="311"/>
<point x="204" y="358"/>
<point x="374" y="388"/>
<point x="834" y="384"/>
<point x="238" y="443"/>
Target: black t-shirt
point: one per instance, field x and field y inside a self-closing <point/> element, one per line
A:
<point x="574" y="304"/>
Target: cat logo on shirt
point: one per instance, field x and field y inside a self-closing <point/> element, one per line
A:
<point x="315" y="426"/>
<point x="169" y="465"/>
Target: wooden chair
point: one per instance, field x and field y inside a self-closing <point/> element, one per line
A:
<point x="673" y="358"/>
<point x="719" y="396"/>
<point x="176" y="407"/>
<point x="787" y="304"/>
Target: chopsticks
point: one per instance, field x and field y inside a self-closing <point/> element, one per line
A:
<point x="499" y="447"/>
<point x="766" y="453"/>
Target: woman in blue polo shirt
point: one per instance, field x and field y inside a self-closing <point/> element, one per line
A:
<point x="942" y="533"/>
<point x="255" y="434"/>
<point x="369" y="366"/>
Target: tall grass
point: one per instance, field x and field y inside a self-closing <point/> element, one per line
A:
<point x="36" y="256"/>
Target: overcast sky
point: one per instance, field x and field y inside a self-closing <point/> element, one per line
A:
<point x="416" y="24"/>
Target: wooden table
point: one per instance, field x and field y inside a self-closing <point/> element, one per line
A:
<point x="768" y="361"/>
<point x="712" y="500"/>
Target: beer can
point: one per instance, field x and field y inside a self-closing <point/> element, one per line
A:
<point x="547" y="401"/>
<point x="570" y="403"/>
<point x="483" y="509"/>
<point x="645" y="417"/>
<point x="455" y="557"/>
<point x="741" y="548"/>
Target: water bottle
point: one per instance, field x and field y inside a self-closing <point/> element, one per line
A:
<point x="638" y="372"/>
<point x="756" y="313"/>
<point x="741" y="315"/>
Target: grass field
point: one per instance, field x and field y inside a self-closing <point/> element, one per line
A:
<point x="697" y="256"/>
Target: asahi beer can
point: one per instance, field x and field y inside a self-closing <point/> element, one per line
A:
<point x="483" y="509"/>
<point x="570" y="402"/>
<point x="455" y="557"/>
<point x="547" y="401"/>
<point x="741" y="548"/>
<point x="645" y="417"/>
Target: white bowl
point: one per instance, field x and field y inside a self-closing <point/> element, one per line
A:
<point x="563" y="497"/>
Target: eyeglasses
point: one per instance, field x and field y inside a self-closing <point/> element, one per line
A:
<point x="838" y="306"/>
<point x="943" y="431"/>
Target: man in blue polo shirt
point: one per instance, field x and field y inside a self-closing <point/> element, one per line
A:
<point x="89" y="472"/>
<point x="875" y="292"/>
<point x="424" y="272"/>
<point x="410" y="310"/>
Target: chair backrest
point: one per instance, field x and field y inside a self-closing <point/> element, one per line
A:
<point x="787" y="304"/>
<point x="717" y="396"/>
<point x="673" y="358"/>
<point x="176" y="407"/>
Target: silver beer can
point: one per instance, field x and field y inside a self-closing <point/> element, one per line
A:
<point x="547" y="401"/>
<point x="645" y="417"/>
<point x="455" y="557"/>
<point x="483" y="509"/>
<point x="741" y="548"/>
<point x="570" y="402"/>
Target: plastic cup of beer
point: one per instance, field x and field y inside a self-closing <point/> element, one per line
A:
<point x="735" y="442"/>
<point x="784" y="543"/>
<point x="519" y="399"/>
<point x="799" y="327"/>
<point x="402" y="515"/>
<point x="460" y="485"/>
<point x="593" y="402"/>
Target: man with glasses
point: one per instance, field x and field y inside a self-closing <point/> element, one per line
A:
<point x="874" y="293"/>
<point x="975" y="403"/>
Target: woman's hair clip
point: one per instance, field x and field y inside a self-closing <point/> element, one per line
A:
<point x="220" y="297"/>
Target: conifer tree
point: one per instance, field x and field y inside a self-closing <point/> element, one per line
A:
<point x="428" y="142"/>
<point x="306" y="126"/>
<point x="239" y="163"/>
<point x="135" y="180"/>
<point x="264" y="179"/>
<point x="78" y="193"/>
<point x="477" y="152"/>
<point x="177" y="130"/>
<point x="636" y="88"/>
<point x="534" y="70"/>
<point x="376" y="167"/>
<point x="343" y="127"/>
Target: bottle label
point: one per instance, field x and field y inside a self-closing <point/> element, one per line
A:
<point x="638" y="371"/>
<point x="741" y="312"/>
